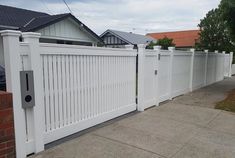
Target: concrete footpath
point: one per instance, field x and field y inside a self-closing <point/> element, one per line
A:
<point x="186" y="127"/>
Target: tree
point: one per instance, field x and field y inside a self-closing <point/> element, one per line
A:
<point x="227" y="8"/>
<point x="164" y="42"/>
<point x="214" y="33"/>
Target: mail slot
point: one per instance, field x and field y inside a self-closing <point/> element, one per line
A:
<point x="27" y="89"/>
<point x="155" y="72"/>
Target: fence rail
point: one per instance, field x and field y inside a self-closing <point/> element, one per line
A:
<point x="77" y="87"/>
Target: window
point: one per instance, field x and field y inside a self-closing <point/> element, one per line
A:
<point x="44" y="40"/>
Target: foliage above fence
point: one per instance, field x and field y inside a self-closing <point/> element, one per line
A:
<point x="217" y="28"/>
<point x="164" y="43"/>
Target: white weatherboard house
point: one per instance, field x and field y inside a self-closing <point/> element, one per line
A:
<point x="61" y="28"/>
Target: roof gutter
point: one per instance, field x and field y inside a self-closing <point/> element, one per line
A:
<point x="9" y="27"/>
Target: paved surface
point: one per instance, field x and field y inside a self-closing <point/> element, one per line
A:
<point x="208" y="96"/>
<point x="172" y="130"/>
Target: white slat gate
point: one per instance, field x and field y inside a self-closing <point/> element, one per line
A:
<point x="75" y="88"/>
<point x="150" y="78"/>
<point x="147" y="77"/>
<point x="84" y="86"/>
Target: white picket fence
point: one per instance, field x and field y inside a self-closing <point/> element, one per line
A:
<point x="78" y="87"/>
<point x="181" y="71"/>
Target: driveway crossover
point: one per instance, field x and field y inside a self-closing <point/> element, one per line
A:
<point x="172" y="130"/>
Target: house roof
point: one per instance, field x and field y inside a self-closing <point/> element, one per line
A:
<point x="180" y="38"/>
<point x="26" y="20"/>
<point x="16" y="17"/>
<point x="42" y="21"/>
<point x="129" y="37"/>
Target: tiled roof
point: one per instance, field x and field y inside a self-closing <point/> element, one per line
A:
<point x="180" y="38"/>
<point x="42" y="21"/>
<point x="16" y="17"/>
<point x="130" y="38"/>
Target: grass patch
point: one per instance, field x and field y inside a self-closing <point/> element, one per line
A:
<point x="228" y="104"/>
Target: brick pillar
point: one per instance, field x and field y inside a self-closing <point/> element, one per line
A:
<point x="7" y="135"/>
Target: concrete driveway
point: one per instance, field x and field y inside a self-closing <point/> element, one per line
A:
<point x="172" y="130"/>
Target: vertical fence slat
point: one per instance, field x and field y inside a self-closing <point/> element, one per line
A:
<point x="64" y="90"/>
<point x="79" y="88"/>
<point x="68" y="95"/>
<point x="51" y="95"/>
<point x="72" y="88"/>
<point x="60" y="104"/>
<point x="47" y="103"/>
<point x="55" y="85"/>
<point x="75" y="83"/>
<point x="82" y="89"/>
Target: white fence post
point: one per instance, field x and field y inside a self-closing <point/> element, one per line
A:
<point x="38" y="110"/>
<point x="191" y="69"/>
<point x="171" y="49"/>
<point x="12" y="59"/>
<point x="230" y="64"/>
<point x="224" y="54"/>
<point x="157" y="49"/>
<point x="141" y="59"/>
<point x="205" y="80"/>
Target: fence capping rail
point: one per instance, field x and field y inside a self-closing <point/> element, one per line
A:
<point x="129" y="47"/>
<point x="157" y="47"/>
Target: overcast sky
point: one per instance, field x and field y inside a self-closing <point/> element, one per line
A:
<point x="138" y="16"/>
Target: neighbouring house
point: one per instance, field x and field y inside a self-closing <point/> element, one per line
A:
<point x="61" y="28"/>
<point x="182" y="39"/>
<point x="118" y="39"/>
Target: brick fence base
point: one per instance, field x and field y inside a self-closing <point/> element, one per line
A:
<point x="7" y="135"/>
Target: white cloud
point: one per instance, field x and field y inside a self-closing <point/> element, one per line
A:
<point x="142" y="15"/>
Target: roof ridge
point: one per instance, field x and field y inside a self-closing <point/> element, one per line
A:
<point x="126" y="32"/>
<point x="44" y="16"/>
<point x="172" y="31"/>
<point x="29" y="22"/>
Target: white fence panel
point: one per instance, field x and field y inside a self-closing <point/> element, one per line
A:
<point x="219" y="67"/>
<point x="164" y="76"/>
<point x="181" y="73"/>
<point x="199" y="70"/>
<point x="85" y="86"/>
<point x="211" y="68"/>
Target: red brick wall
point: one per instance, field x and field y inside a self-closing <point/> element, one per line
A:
<point x="7" y="135"/>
